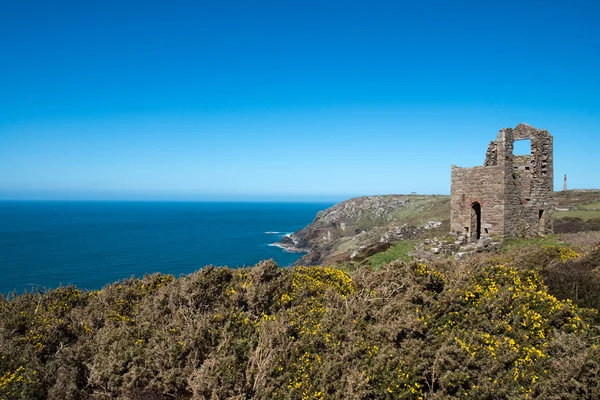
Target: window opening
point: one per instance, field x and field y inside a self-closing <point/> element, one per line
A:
<point x="522" y="147"/>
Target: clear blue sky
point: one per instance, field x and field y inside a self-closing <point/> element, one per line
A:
<point x="286" y="99"/>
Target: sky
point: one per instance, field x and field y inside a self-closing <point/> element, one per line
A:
<point x="286" y="99"/>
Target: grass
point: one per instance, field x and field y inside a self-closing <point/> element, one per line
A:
<point x="593" y="205"/>
<point x="576" y="198"/>
<point x="583" y="214"/>
<point x="424" y="209"/>
<point x="417" y="211"/>
<point x="550" y="240"/>
<point x="397" y="252"/>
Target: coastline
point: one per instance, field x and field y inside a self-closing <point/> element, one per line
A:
<point x="290" y="244"/>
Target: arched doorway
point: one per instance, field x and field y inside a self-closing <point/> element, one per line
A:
<point x="541" y="222"/>
<point x="475" y="221"/>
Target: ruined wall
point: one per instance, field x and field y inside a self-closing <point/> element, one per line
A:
<point x="515" y="192"/>
<point x="483" y="185"/>
<point x="530" y="186"/>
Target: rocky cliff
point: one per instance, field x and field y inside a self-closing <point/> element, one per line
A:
<point x="368" y="224"/>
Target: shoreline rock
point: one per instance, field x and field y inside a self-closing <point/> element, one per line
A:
<point x="290" y="244"/>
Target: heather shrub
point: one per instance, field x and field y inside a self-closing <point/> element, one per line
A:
<point x="487" y="327"/>
<point x="576" y="279"/>
<point x="575" y="224"/>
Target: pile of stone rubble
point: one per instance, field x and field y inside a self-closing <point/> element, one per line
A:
<point x="457" y="247"/>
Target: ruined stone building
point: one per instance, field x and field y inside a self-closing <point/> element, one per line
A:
<point x="510" y="195"/>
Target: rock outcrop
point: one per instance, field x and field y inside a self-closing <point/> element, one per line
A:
<point x="353" y="225"/>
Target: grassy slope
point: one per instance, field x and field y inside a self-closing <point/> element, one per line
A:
<point x="576" y="198"/>
<point x="581" y="214"/>
<point x="420" y="210"/>
<point x="582" y="205"/>
<point x="399" y="251"/>
<point x="550" y="240"/>
<point x="595" y="205"/>
<point x="430" y="208"/>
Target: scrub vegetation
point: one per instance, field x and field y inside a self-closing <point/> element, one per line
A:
<point x="517" y="325"/>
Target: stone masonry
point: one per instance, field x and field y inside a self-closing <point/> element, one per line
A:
<point x="510" y="195"/>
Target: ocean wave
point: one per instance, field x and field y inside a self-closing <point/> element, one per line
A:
<point x="279" y="234"/>
<point x="286" y="248"/>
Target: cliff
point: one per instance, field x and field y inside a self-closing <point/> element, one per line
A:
<point x="363" y="225"/>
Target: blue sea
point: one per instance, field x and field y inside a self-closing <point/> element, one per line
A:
<point x="89" y="244"/>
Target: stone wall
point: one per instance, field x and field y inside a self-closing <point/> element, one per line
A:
<point x="482" y="185"/>
<point x="509" y="195"/>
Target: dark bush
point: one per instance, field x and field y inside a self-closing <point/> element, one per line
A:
<point x="487" y="327"/>
<point x="574" y="224"/>
<point x="576" y="279"/>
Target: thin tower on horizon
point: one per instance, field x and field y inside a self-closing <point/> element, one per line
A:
<point x="565" y="186"/>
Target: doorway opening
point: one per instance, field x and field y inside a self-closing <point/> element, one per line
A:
<point x="475" y="221"/>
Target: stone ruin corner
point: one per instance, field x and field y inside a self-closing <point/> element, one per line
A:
<point x="509" y="195"/>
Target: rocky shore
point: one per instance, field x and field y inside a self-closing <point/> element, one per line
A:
<point x="291" y="243"/>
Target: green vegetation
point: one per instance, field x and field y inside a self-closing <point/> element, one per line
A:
<point x="417" y="211"/>
<point x="576" y="198"/>
<point x="549" y="240"/>
<point x="581" y="214"/>
<point x="399" y="251"/>
<point x="423" y="209"/>
<point x="516" y="325"/>
<point x="593" y="205"/>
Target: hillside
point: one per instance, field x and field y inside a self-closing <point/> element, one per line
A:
<point x="369" y="224"/>
<point x="576" y="197"/>
<point x="578" y="211"/>
<point x="503" y="326"/>
<point x="358" y="228"/>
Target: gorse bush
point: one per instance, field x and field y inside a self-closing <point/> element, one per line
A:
<point x="488" y="327"/>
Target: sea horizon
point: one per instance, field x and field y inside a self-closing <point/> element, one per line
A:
<point x="91" y="243"/>
<point x="174" y="197"/>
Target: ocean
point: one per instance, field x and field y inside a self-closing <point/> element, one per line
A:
<point x="44" y="244"/>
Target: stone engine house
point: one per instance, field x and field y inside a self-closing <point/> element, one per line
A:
<point x="510" y="195"/>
